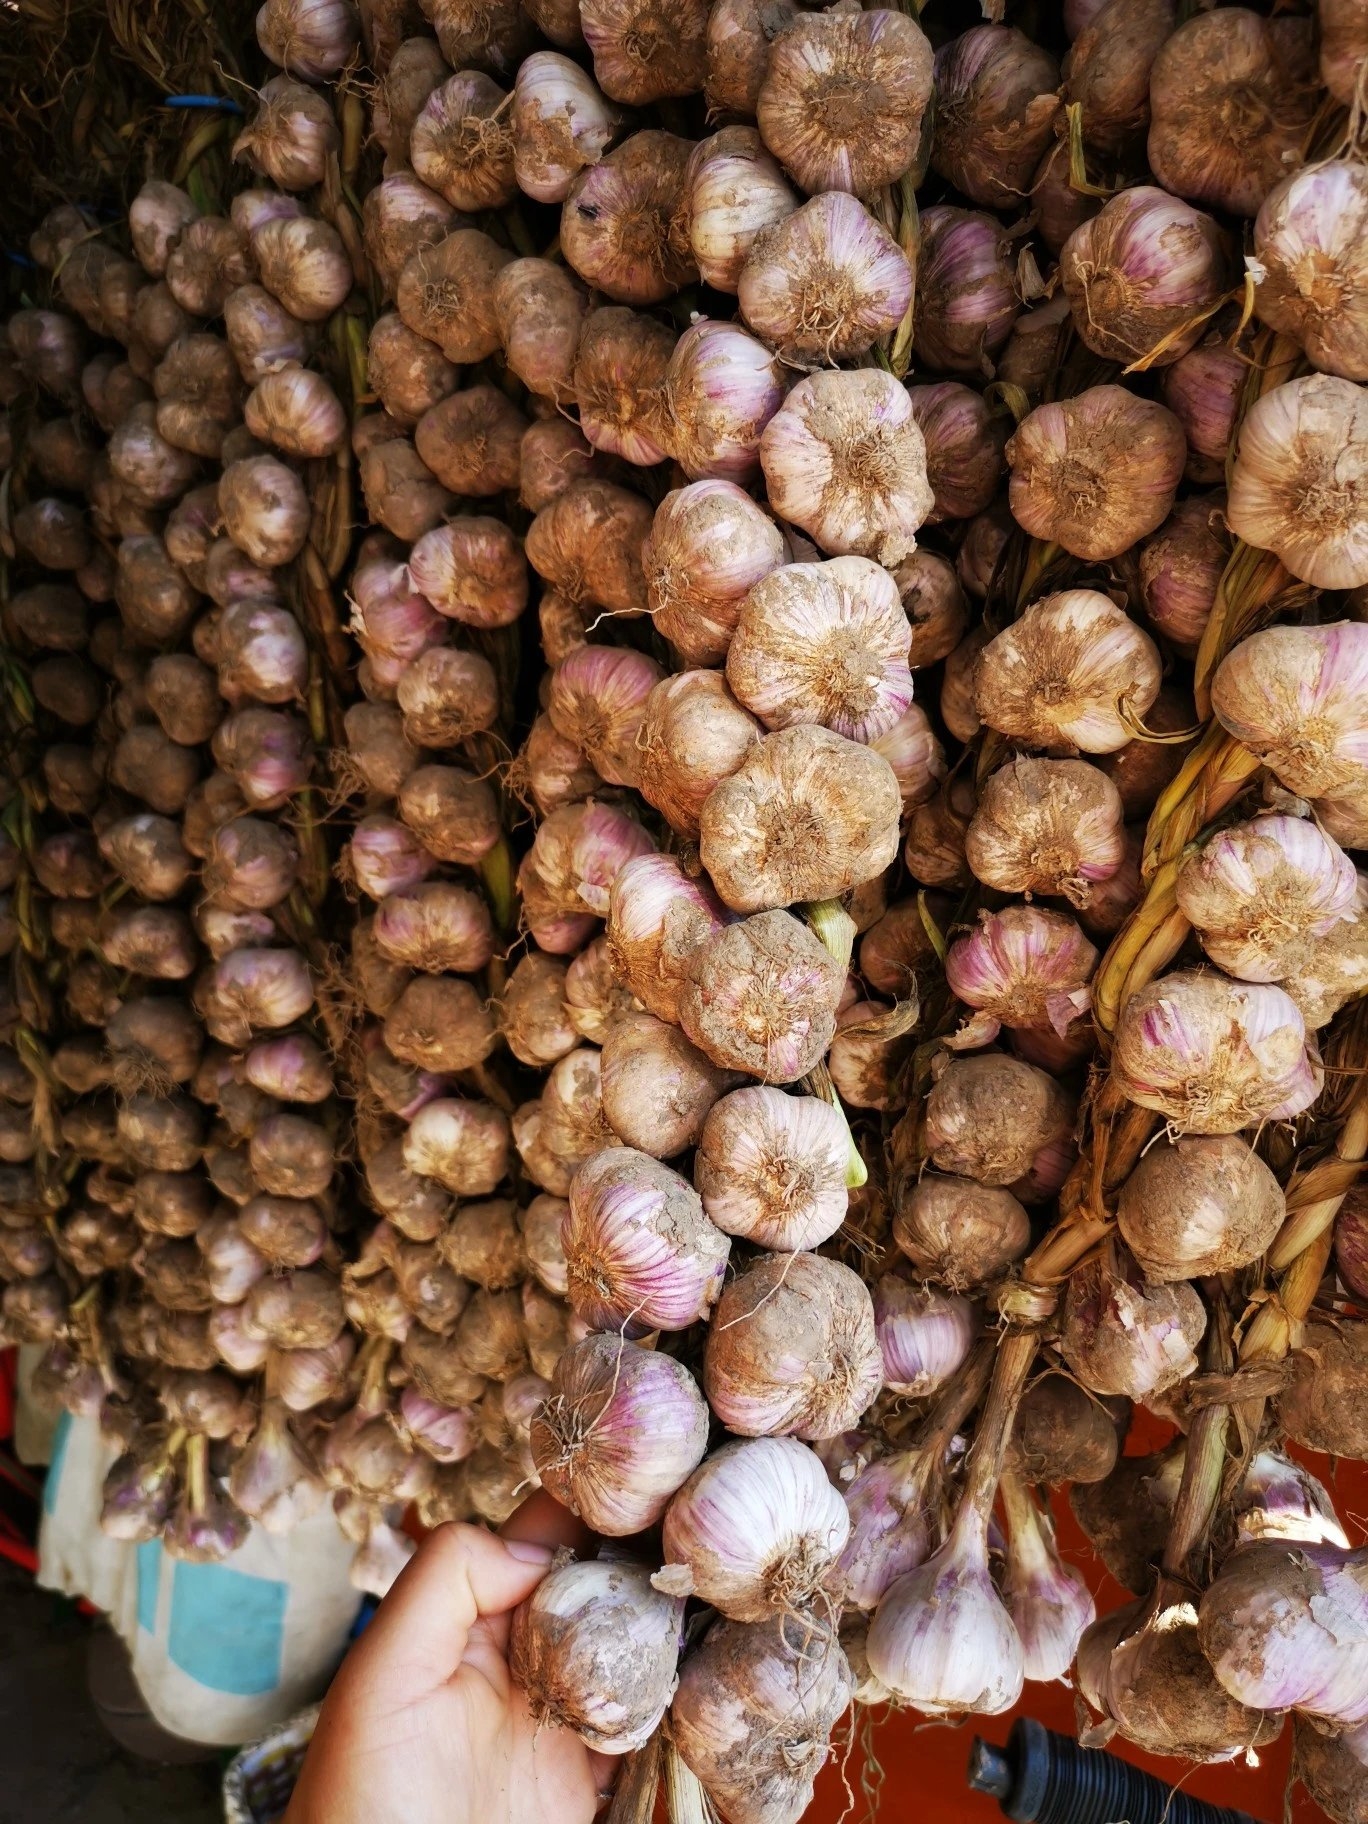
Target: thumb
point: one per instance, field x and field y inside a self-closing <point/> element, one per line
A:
<point x="419" y="1634"/>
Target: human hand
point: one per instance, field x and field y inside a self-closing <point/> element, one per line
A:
<point x="423" y="1724"/>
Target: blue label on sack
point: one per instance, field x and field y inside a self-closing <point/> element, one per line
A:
<point x="227" y="1629"/>
<point x="61" y="1437"/>
<point x="149" y="1557"/>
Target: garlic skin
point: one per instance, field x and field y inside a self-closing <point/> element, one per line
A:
<point x="1310" y="269"/>
<point x="1143" y="274"/>
<point x="1024" y="967"/>
<point x="1059" y="677"/>
<point x="1046" y="826"/>
<point x="806" y="111"/>
<point x="1287" y="1628"/>
<point x="619" y="216"/>
<point x="959" y="1232"/>
<point x="988" y="1117"/>
<point x="1291" y="695"/>
<point x="761" y="997"/>
<point x="754" y="1529"/>
<point x="1049" y="1602"/>
<point x="794" y="1350"/>
<point x="1213" y="1055"/>
<point x="924" y="1335"/>
<point x="1322" y="1407"/>
<point x="692" y="736"/>
<point x="722" y="389"/>
<point x="1096" y="472"/>
<point x="639" y="1251"/>
<point x="824" y="643"/>
<point x="941" y="1638"/>
<point x="1256" y="892"/>
<point x="1232" y="96"/>
<point x="1334" y="968"/>
<point x="1122" y="1335"/>
<point x="771" y="1168"/>
<point x="996" y="102"/>
<point x="806" y="816"/>
<point x="844" y="459"/>
<point x="708" y="545"/>
<point x="736" y="193"/>
<point x="825" y="282"/>
<point x="562" y="123"/>
<point x="657" y="918"/>
<point x="1196" y="1206"/>
<point x="657" y="1087"/>
<point x="620" y="1430"/>
<point x="966" y="291"/>
<point x="595" y="1649"/>
<point x="1332" y="1768"/>
<point x="1297" y="487"/>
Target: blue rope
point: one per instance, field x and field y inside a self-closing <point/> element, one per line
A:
<point x="203" y="101"/>
<point x="20" y="259"/>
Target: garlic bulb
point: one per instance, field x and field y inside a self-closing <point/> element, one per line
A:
<point x="793" y="1350"/>
<point x="1046" y="826"/>
<point x="916" y="756"/>
<point x="461" y="145"/>
<point x="964" y="449"/>
<point x="618" y="221"/>
<point x="1060" y="677"/>
<point x="761" y="997"/>
<point x="1213" y="1055"/>
<point x="1096" y="472"/>
<point x="722" y="388"/>
<point x="988" y="1118"/>
<point x="739" y="36"/>
<point x="446" y="293"/>
<point x="1198" y="1206"/>
<point x="471" y="570"/>
<point x="966" y="291"/>
<point x="1287" y="1629"/>
<point x="298" y="412"/>
<point x="1122" y="1335"/>
<point x="472" y="441"/>
<point x="754" y="1529"/>
<point x="588" y="543"/>
<point x="618" y="380"/>
<point x="1023" y="967"/>
<point x="401" y="217"/>
<point x="932" y="599"/>
<point x="657" y="1087"/>
<point x="657" y="918"/>
<point x="707" y="547"/>
<point x="692" y="735"/>
<point x="960" y="1232"/>
<point x="1322" y="1407"/>
<point x="304" y="265"/>
<point x="1334" y="968"/>
<point x="1203" y="389"/>
<point x="620" y="1430"/>
<point x="843" y="458"/>
<point x="736" y="192"/>
<point x="996" y="101"/>
<point x="597" y="699"/>
<point x="291" y="136"/>
<point x="1181" y="566"/>
<point x="825" y="282"/>
<point x="561" y="124"/>
<point x="1343" y="48"/>
<point x="1332" y="1768"/>
<point x="1232" y="97"/>
<point x="642" y="54"/>
<point x="308" y="38"/>
<point x="1257" y="891"/>
<point x="595" y="1648"/>
<point x="265" y="509"/>
<point x="824" y="643"/>
<point x="772" y="1168"/>
<point x="1309" y="271"/>
<point x="1107" y="70"/>
<point x="640" y="1253"/>
<point x="843" y="97"/>
<point x="806" y="816"/>
<point x="1049" y="1602"/>
<point x="790" y="1681"/>
<point x="924" y="1335"/>
<point x="1291" y="694"/>
<point x="1296" y="487"/>
<point x="1143" y="275"/>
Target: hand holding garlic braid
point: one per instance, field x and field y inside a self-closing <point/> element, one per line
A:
<point x="423" y="1724"/>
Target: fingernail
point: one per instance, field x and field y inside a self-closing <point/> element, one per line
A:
<point x="527" y="1551"/>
